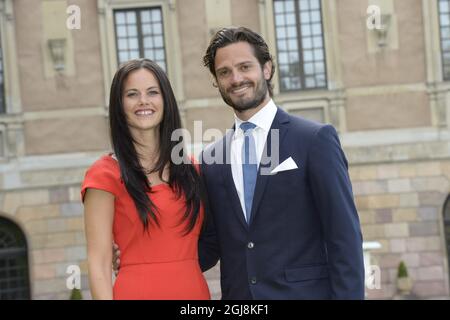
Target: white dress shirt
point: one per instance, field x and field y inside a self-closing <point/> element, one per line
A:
<point x="263" y="120"/>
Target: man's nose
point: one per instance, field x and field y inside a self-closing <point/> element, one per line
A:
<point x="236" y="77"/>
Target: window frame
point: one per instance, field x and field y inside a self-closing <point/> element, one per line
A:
<point x="174" y="66"/>
<point x="302" y="76"/>
<point x="140" y="35"/>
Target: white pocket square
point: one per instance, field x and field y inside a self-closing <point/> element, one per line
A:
<point x="288" y="164"/>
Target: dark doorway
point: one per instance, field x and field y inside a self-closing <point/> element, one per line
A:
<point x="14" y="273"/>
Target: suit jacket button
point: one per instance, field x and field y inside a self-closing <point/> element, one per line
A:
<point x="250" y="245"/>
<point x="253" y="280"/>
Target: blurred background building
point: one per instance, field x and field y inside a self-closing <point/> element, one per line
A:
<point x="385" y="89"/>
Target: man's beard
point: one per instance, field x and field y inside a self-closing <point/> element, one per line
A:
<point x="246" y="104"/>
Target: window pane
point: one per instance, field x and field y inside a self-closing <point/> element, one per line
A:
<point x="279" y="20"/>
<point x="134" y="54"/>
<point x="307" y="55"/>
<point x="310" y="82"/>
<point x="319" y="67"/>
<point x="282" y="45"/>
<point x="146" y="29"/>
<point x="281" y="33"/>
<point x="145" y="16"/>
<point x="293" y="45"/>
<point x="283" y="57"/>
<point x="132" y="31"/>
<point x="304" y="5"/>
<point x="148" y="42"/>
<point x="158" y="41"/>
<point x="289" y="6"/>
<point x="133" y="43"/>
<point x="123" y="56"/>
<point x="318" y="54"/>
<point x="121" y="31"/>
<point x="306" y="30"/>
<point x="292" y="32"/>
<point x="317" y="29"/>
<point x="307" y="43"/>
<point x="150" y="54"/>
<point x="120" y="17"/>
<point x="315" y="16"/>
<point x="156" y="15"/>
<point x="290" y="19"/>
<point x="279" y="6"/>
<point x="304" y="17"/>
<point x="157" y="28"/>
<point x="159" y="54"/>
<point x="445" y="21"/>
<point x="309" y="68"/>
<point x="317" y="42"/>
<point x="131" y="17"/>
<point x="314" y="4"/>
<point x="123" y="44"/>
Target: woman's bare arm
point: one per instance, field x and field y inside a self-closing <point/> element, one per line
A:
<point x="98" y="217"/>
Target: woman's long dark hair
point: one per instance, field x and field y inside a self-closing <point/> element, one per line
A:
<point x="183" y="178"/>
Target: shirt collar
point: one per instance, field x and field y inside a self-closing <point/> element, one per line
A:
<point x="263" y="118"/>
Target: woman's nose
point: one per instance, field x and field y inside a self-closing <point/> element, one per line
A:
<point x="143" y="98"/>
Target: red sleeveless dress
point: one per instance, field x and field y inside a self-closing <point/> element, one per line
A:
<point x="161" y="264"/>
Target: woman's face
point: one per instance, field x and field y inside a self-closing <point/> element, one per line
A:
<point x="143" y="101"/>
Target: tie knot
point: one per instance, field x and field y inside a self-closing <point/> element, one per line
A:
<point x="245" y="126"/>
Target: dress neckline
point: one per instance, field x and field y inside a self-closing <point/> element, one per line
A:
<point x="112" y="156"/>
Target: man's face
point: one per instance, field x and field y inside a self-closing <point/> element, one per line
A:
<point x="240" y="78"/>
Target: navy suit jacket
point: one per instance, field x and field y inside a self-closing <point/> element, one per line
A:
<point x="304" y="239"/>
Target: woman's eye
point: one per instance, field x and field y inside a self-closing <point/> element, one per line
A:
<point x="131" y="94"/>
<point x="152" y="93"/>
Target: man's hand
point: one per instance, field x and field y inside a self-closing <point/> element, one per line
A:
<point x="116" y="258"/>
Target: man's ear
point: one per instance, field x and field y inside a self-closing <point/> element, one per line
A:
<point x="214" y="81"/>
<point x="267" y="70"/>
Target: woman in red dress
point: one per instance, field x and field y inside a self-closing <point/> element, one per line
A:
<point x="142" y="197"/>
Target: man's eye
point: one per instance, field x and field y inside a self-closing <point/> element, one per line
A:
<point x="223" y="73"/>
<point x="245" y="67"/>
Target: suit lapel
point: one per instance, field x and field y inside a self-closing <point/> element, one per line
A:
<point x="269" y="161"/>
<point x="228" y="179"/>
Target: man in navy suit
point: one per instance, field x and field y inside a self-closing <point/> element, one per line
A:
<point x="282" y="219"/>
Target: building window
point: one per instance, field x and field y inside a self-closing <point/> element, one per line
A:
<point x="2" y="81"/>
<point x="300" y="44"/>
<point x="140" y="34"/>
<point x="14" y="278"/>
<point x="444" y="24"/>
